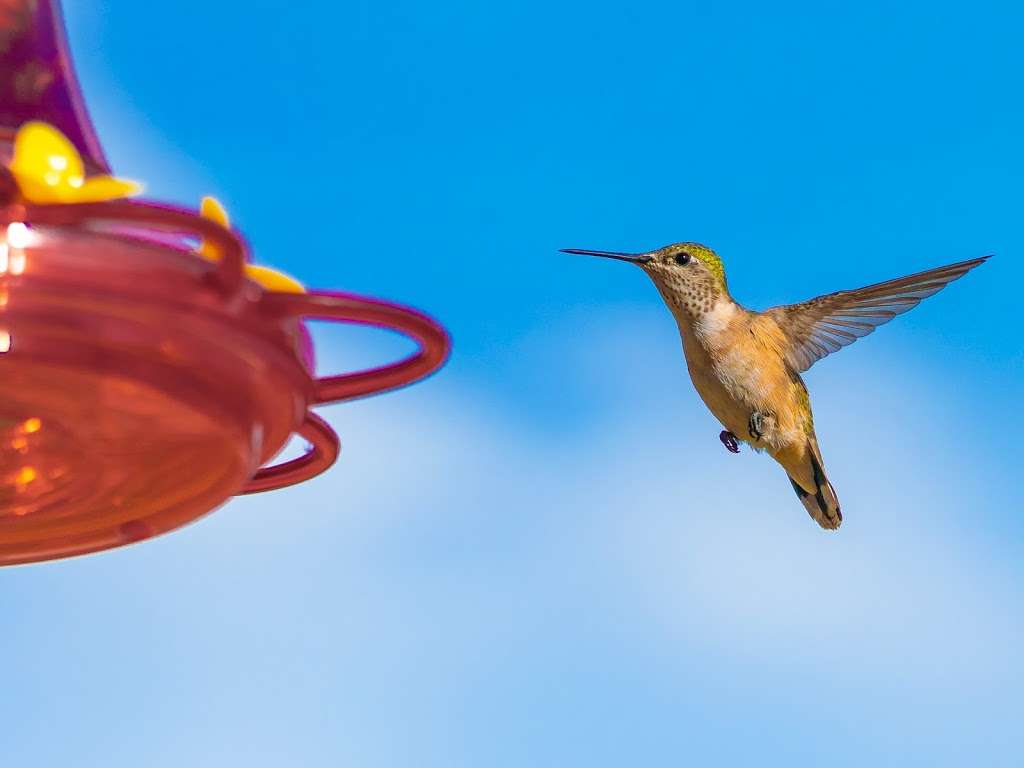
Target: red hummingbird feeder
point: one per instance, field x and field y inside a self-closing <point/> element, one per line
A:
<point x="148" y="372"/>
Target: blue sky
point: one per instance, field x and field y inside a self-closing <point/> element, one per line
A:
<point x="543" y="556"/>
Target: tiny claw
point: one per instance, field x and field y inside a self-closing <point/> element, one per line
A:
<point x="756" y="424"/>
<point x="729" y="441"/>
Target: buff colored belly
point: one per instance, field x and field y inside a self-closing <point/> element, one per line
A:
<point x="733" y="389"/>
<point x="733" y="414"/>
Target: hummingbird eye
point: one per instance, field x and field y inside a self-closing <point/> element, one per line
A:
<point x="682" y="258"/>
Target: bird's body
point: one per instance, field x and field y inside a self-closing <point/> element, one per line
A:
<point x="746" y="365"/>
<point x="736" y="362"/>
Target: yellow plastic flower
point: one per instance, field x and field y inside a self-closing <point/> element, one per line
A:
<point x="49" y="169"/>
<point x="269" y="279"/>
<point x="272" y="280"/>
<point x="211" y="209"/>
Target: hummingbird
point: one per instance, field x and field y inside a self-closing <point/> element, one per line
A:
<point x="746" y="365"/>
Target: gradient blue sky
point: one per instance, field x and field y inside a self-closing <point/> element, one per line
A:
<point x="543" y="556"/>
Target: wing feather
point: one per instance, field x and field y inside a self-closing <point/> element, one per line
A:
<point x="821" y="326"/>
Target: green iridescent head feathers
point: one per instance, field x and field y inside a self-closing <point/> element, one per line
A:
<point x="704" y="255"/>
<point x="710" y="259"/>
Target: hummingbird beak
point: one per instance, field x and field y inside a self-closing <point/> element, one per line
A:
<point x="633" y="258"/>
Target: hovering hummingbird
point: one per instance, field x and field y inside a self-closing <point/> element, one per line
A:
<point x="746" y="365"/>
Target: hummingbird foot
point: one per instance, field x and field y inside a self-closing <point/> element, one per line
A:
<point x="757" y="424"/>
<point x="732" y="445"/>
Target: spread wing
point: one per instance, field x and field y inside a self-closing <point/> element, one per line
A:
<point x="816" y="328"/>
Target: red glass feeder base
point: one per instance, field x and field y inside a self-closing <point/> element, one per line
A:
<point x="142" y="386"/>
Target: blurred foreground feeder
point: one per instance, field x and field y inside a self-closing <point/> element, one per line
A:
<point x="147" y="371"/>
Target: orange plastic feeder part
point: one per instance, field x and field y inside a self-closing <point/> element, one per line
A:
<point x="147" y="371"/>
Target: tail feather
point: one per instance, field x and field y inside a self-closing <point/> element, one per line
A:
<point x="822" y="504"/>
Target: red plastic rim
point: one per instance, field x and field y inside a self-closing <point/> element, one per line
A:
<point x="433" y="349"/>
<point x="322" y="453"/>
<point x="347" y="308"/>
<point x="230" y="272"/>
<point x="229" y="277"/>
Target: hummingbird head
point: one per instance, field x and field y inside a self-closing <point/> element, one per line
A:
<point x="689" y="276"/>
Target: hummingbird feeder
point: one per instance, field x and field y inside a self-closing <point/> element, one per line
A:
<point x="148" y="372"/>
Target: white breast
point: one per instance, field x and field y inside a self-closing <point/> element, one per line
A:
<point x="710" y="325"/>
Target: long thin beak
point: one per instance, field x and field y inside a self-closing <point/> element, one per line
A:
<point x="633" y="258"/>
